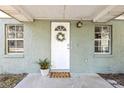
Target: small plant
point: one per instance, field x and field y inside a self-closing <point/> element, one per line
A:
<point x="44" y="64"/>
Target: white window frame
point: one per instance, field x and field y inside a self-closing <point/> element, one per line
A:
<point x="7" y="39"/>
<point x="109" y="39"/>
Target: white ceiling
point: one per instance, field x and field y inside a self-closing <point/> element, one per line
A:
<point x="63" y="12"/>
<point x="96" y="13"/>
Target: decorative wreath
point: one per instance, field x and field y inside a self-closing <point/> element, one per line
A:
<point x="60" y="36"/>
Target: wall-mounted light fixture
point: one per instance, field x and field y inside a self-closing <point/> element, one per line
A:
<point x="79" y="24"/>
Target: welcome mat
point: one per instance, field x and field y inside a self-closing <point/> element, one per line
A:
<point x="59" y="75"/>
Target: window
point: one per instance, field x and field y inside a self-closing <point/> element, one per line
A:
<point x="14" y="38"/>
<point x="103" y="39"/>
<point x="60" y="28"/>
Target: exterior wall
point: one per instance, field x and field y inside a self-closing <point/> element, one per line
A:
<point x="83" y="58"/>
<point x="37" y="45"/>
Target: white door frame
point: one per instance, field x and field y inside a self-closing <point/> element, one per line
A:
<point x="67" y="47"/>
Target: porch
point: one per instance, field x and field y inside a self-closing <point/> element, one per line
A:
<point x="76" y="81"/>
<point x="83" y="56"/>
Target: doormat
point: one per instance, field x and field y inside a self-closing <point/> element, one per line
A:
<point x="59" y="75"/>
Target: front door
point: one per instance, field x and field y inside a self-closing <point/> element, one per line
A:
<point x="60" y="45"/>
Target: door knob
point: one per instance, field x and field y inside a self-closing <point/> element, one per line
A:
<point x="68" y="47"/>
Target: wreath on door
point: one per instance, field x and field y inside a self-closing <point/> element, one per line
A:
<point x="60" y="36"/>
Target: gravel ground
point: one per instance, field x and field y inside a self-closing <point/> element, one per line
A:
<point x="119" y="78"/>
<point x="10" y="80"/>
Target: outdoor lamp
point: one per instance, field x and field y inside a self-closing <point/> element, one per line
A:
<point x="79" y="24"/>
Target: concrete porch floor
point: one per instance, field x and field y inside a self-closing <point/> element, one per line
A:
<point x="76" y="81"/>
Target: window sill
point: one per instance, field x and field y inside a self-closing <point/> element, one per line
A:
<point x="14" y="56"/>
<point x="102" y="55"/>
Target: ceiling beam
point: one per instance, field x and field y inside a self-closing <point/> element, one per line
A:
<point x="17" y="12"/>
<point x="27" y="16"/>
<point x="103" y="13"/>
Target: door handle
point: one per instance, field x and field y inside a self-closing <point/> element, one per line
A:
<point x="67" y="44"/>
<point x="68" y="47"/>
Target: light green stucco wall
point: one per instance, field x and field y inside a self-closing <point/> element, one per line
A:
<point x="37" y="45"/>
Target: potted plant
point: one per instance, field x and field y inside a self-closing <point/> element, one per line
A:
<point x="44" y="66"/>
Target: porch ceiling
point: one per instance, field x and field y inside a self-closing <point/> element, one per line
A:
<point x="96" y="13"/>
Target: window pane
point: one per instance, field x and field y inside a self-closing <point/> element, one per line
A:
<point x="104" y="43"/>
<point x="11" y="46"/>
<point x="11" y="43"/>
<point x="105" y="34"/>
<point x="19" y="28"/>
<point x="19" y="35"/>
<point x="98" y="49"/>
<point x="97" y="29"/>
<point x="11" y="32"/>
<point x="19" y="43"/>
<point x="105" y="28"/>
<point x="12" y="28"/>
<point x="98" y="36"/>
<point x="101" y="46"/>
<point x="19" y="31"/>
<point x="11" y="35"/>
<point x="60" y="28"/>
<point x="15" y="46"/>
<point x="105" y="49"/>
<point x="97" y="43"/>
